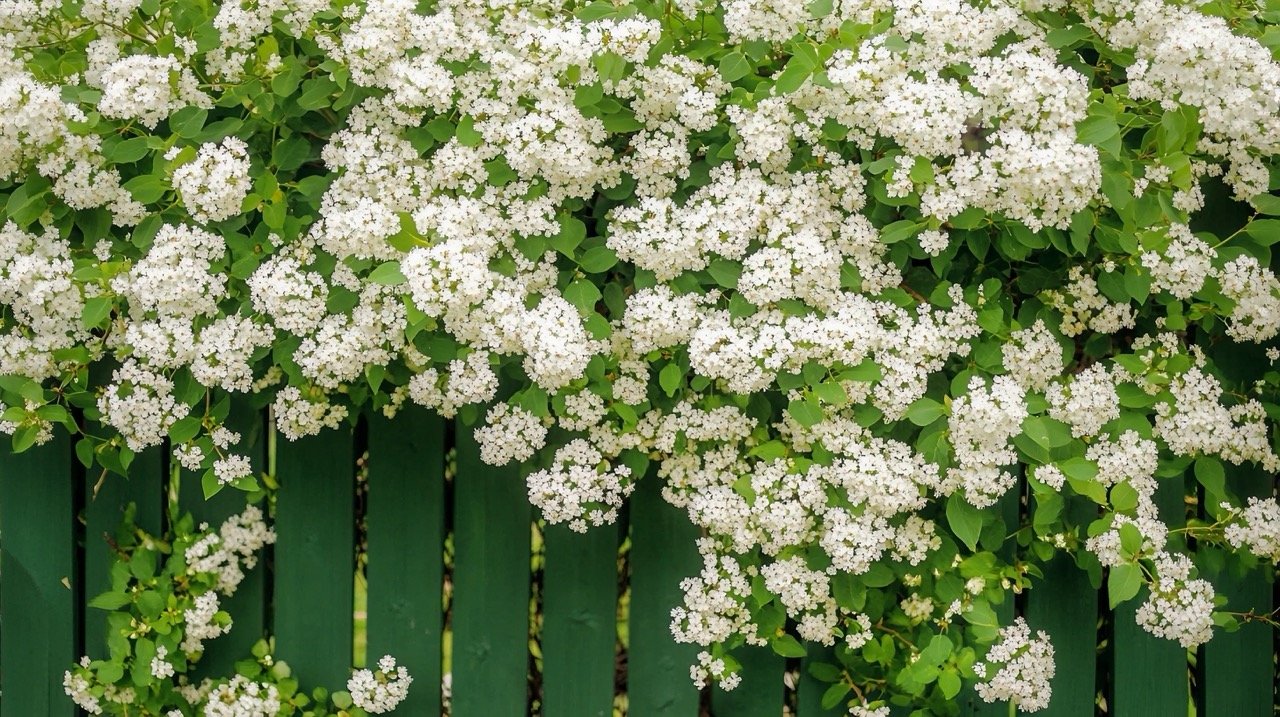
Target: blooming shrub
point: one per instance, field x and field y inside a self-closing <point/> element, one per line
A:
<point x="836" y="273"/>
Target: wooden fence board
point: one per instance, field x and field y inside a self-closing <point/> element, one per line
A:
<point x="1065" y="605"/>
<point x="809" y="690"/>
<point x="579" y="630"/>
<point x="1149" y="673"/>
<point x="406" y="549"/>
<point x="247" y="606"/>
<point x="760" y="694"/>
<point x="491" y="586"/>
<point x="1238" y="666"/>
<point x="37" y="560"/>
<point x="1008" y="507"/>
<point x="103" y="512"/>
<point x="315" y="557"/>
<point x="662" y="554"/>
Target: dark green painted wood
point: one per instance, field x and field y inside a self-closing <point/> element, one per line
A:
<point x="1238" y="666"/>
<point x="103" y="513"/>
<point x="406" y="549"/>
<point x="579" y="621"/>
<point x="315" y="557"/>
<point x="247" y="606"/>
<point x="492" y="519"/>
<point x="809" y="690"/>
<point x="1008" y="507"/>
<point x="1150" y="673"/>
<point x="760" y="694"/>
<point x="579" y="630"/>
<point x="1065" y="605"/>
<point x="662" y="554"/>
<point x="37" y="560"/>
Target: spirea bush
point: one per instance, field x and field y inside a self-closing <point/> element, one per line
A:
<point x="837" y="273"/>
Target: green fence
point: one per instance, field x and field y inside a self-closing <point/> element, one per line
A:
<point x="452" y="559"/>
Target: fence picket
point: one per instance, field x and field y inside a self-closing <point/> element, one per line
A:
<point x="1149" y="674"/>
<point x="1065" y="605"/>
<point x="809" y="690"/>
<point x="662" y="554"/>
<point x="315" y="557"/>
<point x="491" y="586"/>
<point x="248" y="605"/>
<point x="102" y="515"/>
<point x="37" y="560"/>
<point x="1238" y="666"/>
<point x="579" y="630"/>
<point x="1008" y="507"/>
<point x="406" y="549"/>
<point x="760" y="694"/>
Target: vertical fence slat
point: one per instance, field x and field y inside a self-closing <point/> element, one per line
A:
<point x="247" y="606"/>
<point x="1008" y="508"/>
<point x="1150" y="673"/>
<point x="1238" y="665"/>
<point x="1065" y="605"/>
<point x="579" y="631"/>
<point x="491" y="586"/>
<point x="315" y="557"/>
<point x="760" y="694"/>
<point x="37" y="554"/>
<point x="662" y="554"/>
<point x="809" y="690"/>
<point x="102" y="515"/>
<point x="406" y="549"/>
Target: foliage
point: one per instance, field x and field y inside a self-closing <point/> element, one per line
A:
<point x="164" y="605"/>
<point x="839" y="274"/>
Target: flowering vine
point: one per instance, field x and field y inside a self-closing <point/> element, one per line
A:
<point x="840" y="274"/>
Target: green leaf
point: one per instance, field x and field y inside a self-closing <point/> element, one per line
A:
<point x="150" y="604"/>
<point x="1211" y="474"/>
<point x="583" y="294"/>
<point x="143" y="565"/>
<point x="210" y="484"/>
<point x="1266" y="204"/>
<point x="572" y="232"/>
<point x="787" y="646"/>
<point x="769" y="450"/>
<point x="806" y="412"/>
<point x="109" y="600"/>
<point x="1123" y="583"/>
<point x="900" y="230"/>
<point x="146" y="188"/>
<point x="1097" y="130"/>
<point x="965" y="520"/>
<point x="128" y="151"/>
<point x="925" y="411"/>
<point x="670" y="378"/>
<point x="598" y="259"/>
<point x="949" y="683"/>
<point x="1123" y="498"/>
<point x="184" y="429"/>
<point x="834" y="694"/>
<point x="1264" y="231"/>
<point x="388" y="274"/>
<point x="96" y="310"/>
<point x="25" y="437"/>
<point x="734" y="66"/>
<point x="188" y="121"/>
<point x="726" y="272"/>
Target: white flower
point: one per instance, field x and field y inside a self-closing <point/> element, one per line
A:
<point x="380" y="691"/>
<point x="1023" y="669"/>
